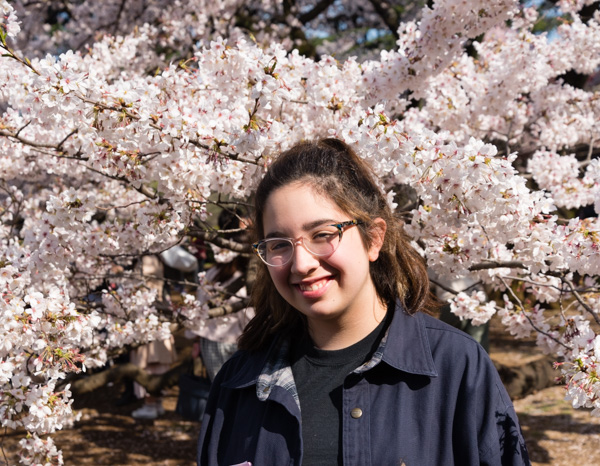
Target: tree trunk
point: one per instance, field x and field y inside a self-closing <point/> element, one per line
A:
<point x="529" y="378"/>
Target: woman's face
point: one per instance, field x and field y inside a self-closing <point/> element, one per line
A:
<point x="337" y="287"/>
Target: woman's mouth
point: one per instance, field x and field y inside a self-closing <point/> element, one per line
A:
<point x="315" y="288"/>
<point x="312" y="286"/>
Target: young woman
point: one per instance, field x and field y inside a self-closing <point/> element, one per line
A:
<point x="340" y="365"/>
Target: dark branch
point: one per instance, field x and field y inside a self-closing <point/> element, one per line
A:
<point x="228" y="308"/>
<point x="152" y="383"/>
<point x="388" y="14"/>
<point x="316" y="11"/>
<point x="498" y="265"/>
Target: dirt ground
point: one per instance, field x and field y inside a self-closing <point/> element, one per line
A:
<point x="556" y="434"/>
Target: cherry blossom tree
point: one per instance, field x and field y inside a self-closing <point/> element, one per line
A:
<point x="122" y="122"/>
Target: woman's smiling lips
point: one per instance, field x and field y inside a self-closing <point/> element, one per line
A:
<point x="313" y="288"/>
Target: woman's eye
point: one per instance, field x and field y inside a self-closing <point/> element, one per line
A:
<point x="323" y="235"/>
<point x="278" y="245"/>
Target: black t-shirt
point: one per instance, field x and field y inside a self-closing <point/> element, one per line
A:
<point x="319" y="376"/>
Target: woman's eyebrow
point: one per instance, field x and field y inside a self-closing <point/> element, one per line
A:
<point x="318" y="223"/>
<point x="306" y="227"/>
<point x="275" y="234"/>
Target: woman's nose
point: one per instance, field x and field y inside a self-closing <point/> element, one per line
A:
<point x="303" y="261"/>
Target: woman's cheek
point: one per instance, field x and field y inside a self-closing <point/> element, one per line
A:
<point x="279" y="279"/>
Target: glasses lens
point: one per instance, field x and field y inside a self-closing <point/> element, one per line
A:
<point x="276" y="251"/>
<point x="321" y="242"/>
<point x="324" y="241"/>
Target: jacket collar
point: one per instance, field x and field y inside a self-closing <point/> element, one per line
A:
<point x="405" y="347"/>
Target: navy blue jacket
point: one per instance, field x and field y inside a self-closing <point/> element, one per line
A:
<point x="430" y="395"/>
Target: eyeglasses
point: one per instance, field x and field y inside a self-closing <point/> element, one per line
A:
<point x="323" y="241"/>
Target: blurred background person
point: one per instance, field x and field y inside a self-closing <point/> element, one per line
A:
<point x="217" y="336"/>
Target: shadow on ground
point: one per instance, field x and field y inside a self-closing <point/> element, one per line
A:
<point x="555" y="433"/>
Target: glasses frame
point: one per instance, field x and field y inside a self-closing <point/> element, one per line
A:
<point x="340" y="226"/>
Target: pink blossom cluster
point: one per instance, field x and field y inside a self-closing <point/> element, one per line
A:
<point x="475" y="307"/>
<point x="560" y="176"/>
<point x="9" y="24"/>
<point x="37" y="451"/>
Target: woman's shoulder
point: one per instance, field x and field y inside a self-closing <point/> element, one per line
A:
<point x="446" y="335"/>
<point x="455" y="352"/>
<point x="421" y="344"/>
<point x="449" y="348"/>
<point x="242" y="368"/>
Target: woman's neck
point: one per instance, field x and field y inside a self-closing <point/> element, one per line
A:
<point x="335" y="334"/>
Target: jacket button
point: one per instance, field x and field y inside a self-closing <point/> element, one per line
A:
<point x="356" y="413"/>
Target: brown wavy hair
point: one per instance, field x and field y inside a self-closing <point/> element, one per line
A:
<point x="334" y="170"/>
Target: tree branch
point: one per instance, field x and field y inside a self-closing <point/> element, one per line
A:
<point x="522" y="306"/>
<point x="581" y="301"/>
<point x="498" y="265"/>
<point x="118" y="18"/>
<point x="443" y="287"/>
<point x="388" y="14"/>
<point x="316" y="11"/>
<point x="27" y="142"/>
<point x="214" y="238"/>
<point x="228" y="308"/>
<point x="152" y="383"/>
<point x="143" y="189"/>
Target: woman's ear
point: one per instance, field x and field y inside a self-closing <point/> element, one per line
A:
<point x="377" y="233"/>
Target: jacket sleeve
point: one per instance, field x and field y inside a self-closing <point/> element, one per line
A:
<point x="501" y="441"/>
<point x="210" y="430"/>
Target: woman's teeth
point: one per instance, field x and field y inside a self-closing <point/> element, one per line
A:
<point x="312" y="286"/>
